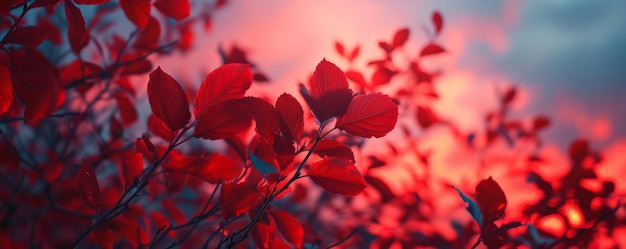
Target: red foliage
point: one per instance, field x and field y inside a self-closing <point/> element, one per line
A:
<point x="89" y="167"/>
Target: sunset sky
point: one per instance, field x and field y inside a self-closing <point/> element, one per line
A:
<point x="566" y="56"/>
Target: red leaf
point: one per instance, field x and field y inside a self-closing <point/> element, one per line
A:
<point x="331" y="104"/>
<point x="51" y="31"/>
<point x="509" y="96"/>
<point x="339" y="48"/>
<point x="5" y="7"/>
<point x="186" y="36"/>
<point x="289" y="227"/>
<point x="265" y="116"/>
<point x="237" y="198"/>
<point x="337" y="176"/>
<point x="264" y="232"/>
<point x="168" y="100"/>
<point x="400" y="37"/>
<point x="178" y="217"/>
<point x="355" y="53"/>
<point x="88" y="185"/>
<point x="229" y="81"/>
<point x="30" y="36"/>
<point x="149" y="37"/>
<point x="137" y="67"/>
<point x="76" y="32"/>
<point x="35" y="81"/>
<point x="91" y="1"/>
<point x="431" y="49"/>
<point x="137" y="11"/>
<point x="223" y="120"/>
<point x="357" y="77"/>
<point x="291" y="116"/>
<point x="53" y="168"/>
<point x="369" y="115"/>
<point x="218" y="167"/>
<point x="578" y="150"/>
<point x="159" y="128"/>
<point x="78" y="70"/>
<point x="491" y="200"/>
<point x="382" y="76"/>
<point x="126" y="108"/>
<point x="540" y="123"/>
<point x="386" y="194"/>
<point x="426" y="117"/>
<point x="6" y="89"/>
<point x="177" y="9"/>
<point x="133" y="168"/>
<point x="41" y="3"/>
<point x="437" y="21"/>
<point x="333" y="148"/>
<point x="327" y="78"/>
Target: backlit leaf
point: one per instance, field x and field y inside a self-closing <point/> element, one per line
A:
<point x="218" y="167"/>
<point x="6" y="89"/>
<point x="264" y="114"/>
<point x="289" y="227"/>
<point x="76" y="31"/>
<point x="327" y="78"/>
<point x="229" y="81"/>
<point x="329" y="105"/>
<point x="177" y="9"/>
<point x="148" y="38"/>
<point x="237" y="198"/>
<point x="369" y="115"/>
<point x="490" y="199"/>
<point x="426" y="117"/>
<point x="126" y="108"/>
<point x="168" y="100"/>
<point x="400" y="37"/>
<point x="137" y="11"/>
<point x="431" y="49"/>
<point x="133" y="168"/>
<point x="337" y="176"/>
<point x="35" y="82"/>
<point x="223" y="120"/>
<point x="291" y="116"/>
<point x="88" y="185"/>
<point x="333" y="148"/>
<point x="30" y="36"/>
<point x="437" y="21"/>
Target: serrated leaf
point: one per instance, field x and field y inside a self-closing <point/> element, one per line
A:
<point x="333" y="148"/>
<point x="227" y="82"/>
<point x="223" y="120"/>
<point x="337" y="176"/>
<point x="369" y="115"/>
<point x="291" y="116"/>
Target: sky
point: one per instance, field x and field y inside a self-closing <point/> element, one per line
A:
<point x="567" y="57"/>
<point x="564" y="56"/>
